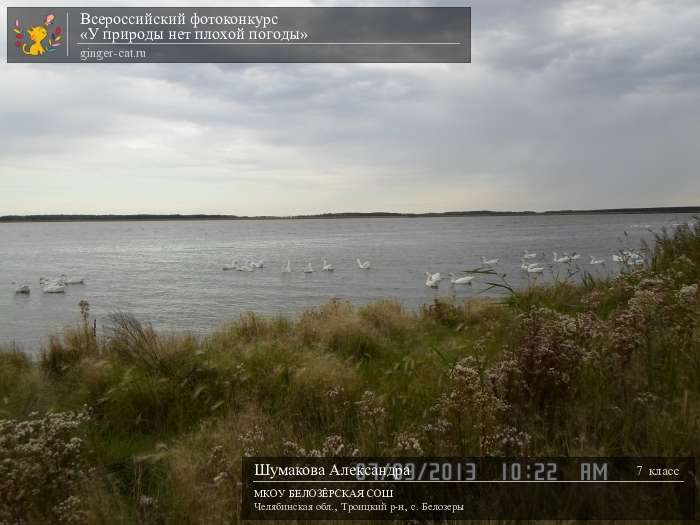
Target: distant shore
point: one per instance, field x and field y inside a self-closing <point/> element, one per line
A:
<point x="347" y="215"/>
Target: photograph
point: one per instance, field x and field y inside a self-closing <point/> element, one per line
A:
<point x="349" y="261"/>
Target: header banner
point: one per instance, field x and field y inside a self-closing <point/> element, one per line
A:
<point x="41" y="35"/>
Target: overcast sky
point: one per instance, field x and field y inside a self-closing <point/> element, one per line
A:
<point x="567" y="104"/>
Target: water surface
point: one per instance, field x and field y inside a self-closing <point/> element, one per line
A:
<point x="170" y="272"/>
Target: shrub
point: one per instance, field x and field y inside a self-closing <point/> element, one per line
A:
<point x="444" y="312"/>
<point x="13" y="366"/>
<point x="20" y="382"/>
<point x="42" y="466"/>
<point x="337" y="327"/>
<point x="138" y="343"/>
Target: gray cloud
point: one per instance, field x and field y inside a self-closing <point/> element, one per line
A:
<point x="566" y="105"/>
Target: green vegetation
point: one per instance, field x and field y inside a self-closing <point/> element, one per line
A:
<point x="136" y="427"/>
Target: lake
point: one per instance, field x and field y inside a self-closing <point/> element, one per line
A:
<point x="170" y="273"/>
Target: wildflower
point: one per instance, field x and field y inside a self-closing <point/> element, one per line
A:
<point x="333" y="445"/>
<point x="147" y="501"/>
<point x="409" y="444"/>
<point x="42" y="461"/>
<point x="370" y="406"/>
<point x="335" y="392"/>
<point x="251" y="441"/>
<point x="688" y="292"/>
<point x="507" y="441"/>
<point x="70" y="511"/>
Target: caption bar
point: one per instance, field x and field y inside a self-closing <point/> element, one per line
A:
<point x="468" y="488"/>
<point x="227" y="35"/>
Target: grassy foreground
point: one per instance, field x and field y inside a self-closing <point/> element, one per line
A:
<point x="136" y="427"/>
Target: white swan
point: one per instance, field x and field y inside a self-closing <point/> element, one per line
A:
<point x="489" y="262"/>
<point x="287" y="268"/>
<point x="309" y="269"/>
<point x="526" y="266"/>
<point x="467" y="279"/>
<point x="529" y="255"/>
<point x="631" y="254"/>
<point x="535" y="269"/>
<point x="235" y="265"/>
<point x="245" y="268"/>
<point x="72" y="280"/>
<point x="327" y="267"/>
<point x="54" y="287"/>
<point x="563" y="259"/>
<point x="363" y="265"/>
<point x="430" y="281"/>
<point x="629" y="257"/>
<point x="595" y="261"/>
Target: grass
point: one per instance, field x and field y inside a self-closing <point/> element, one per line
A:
<point x="152" y="427"/>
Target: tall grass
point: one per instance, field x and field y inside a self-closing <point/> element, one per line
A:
<point x="605" y="367"/>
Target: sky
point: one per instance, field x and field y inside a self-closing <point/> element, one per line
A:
<point x="566" y="105"/>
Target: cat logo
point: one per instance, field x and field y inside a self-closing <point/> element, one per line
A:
<point x="36" y="43"/>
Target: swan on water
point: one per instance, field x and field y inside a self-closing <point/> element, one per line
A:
<point x="327" y="267"/>
<point x="363" y="265"/>
<point x="72" y="280"/>
<point x="631" y="254"/>
<point x="595" y="261"/>
<point x="461" y="280"/>
<point x="489" y="262"/>
<point x="629" y="257"/>
<point x="526" y="265"/>
<point x="431" y="281"/>
<point x="529" y="255"/>
<point x="235" y="265"/>
<point x="563" y="259"/>
<point x="54" y="287"/>
<point x="287" y="268"/>
<point x="309" y="269"/>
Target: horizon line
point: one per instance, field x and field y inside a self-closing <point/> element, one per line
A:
<point x="77" y="217"/>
